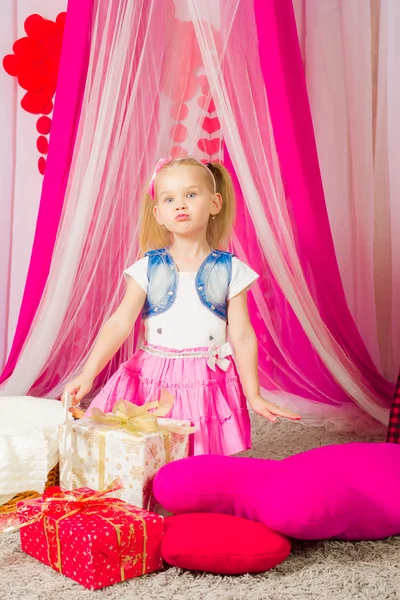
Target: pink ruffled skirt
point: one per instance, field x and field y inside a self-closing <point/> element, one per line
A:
<point x="212" y="400"/>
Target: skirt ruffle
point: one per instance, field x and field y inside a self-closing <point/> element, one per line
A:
<point x="213" y="401"/>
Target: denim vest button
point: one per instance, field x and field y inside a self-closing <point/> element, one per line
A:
<point x="156" y="309"/>
<point x="200" y="287"/>
<point x="170" y="293"/>
<point x="214" y="254"/>
<point x="212" y="307"/>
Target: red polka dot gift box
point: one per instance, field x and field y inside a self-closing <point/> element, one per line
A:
<point x="89" y="537"/>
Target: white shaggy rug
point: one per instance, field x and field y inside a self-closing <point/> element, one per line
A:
<point x="325" y="570"/>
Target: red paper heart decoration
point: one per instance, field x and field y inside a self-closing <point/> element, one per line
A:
<point x="211" y="125"/>
<point x="36" y="60"/>
<point x="210" y="147"/>
<point x="35" y="63"/>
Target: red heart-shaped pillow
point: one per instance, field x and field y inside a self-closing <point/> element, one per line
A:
<point x="222" y="544"/>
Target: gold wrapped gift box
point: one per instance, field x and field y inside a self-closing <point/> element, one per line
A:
<point x="131" y="444"/>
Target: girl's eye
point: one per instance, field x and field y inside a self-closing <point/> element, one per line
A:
<point x="168" y="200"/>
<point x="192" y="195"/>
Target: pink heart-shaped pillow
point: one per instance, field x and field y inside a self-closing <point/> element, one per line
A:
<point x="348" y="491"/>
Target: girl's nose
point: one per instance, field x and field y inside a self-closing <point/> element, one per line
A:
<point x="181" y="205"/>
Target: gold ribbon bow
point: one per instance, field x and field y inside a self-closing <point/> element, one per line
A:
<point x="138" y="419"/>
<point x="64" y="502"/>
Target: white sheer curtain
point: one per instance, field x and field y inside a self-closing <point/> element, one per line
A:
<point x="336" y="44"/>
<point x="114" y="153"/>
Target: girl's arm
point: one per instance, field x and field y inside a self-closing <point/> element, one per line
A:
<point x="245" y="345"/>
<point x="111" y="337"/>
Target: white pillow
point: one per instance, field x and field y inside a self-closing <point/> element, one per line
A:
<point x="28" y="443"/>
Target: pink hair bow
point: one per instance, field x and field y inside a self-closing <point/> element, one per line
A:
<point x="161" y="163"/>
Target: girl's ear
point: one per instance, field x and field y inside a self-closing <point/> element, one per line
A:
<point x="156" y="214"/>
<point x="216" y="204"/>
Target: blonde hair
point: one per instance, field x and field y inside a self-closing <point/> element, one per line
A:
<point x="152" y="236"/>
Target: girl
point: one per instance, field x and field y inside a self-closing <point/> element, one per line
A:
<point x="188" y="291"/>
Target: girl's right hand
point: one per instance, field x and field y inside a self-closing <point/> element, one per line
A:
<point x="78" y="388"/>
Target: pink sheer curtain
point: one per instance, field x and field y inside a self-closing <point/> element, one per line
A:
<point x="71" y="80"/>
<point x="132" y="103"/>
<point x="113" y="154"/>
<point x="284" y="79"/>
<point x="244" y="115"/>
<point x="351" y="52"/>
<point x="337" y="51"/>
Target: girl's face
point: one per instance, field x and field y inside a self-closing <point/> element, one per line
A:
<point x="185" y="200"/>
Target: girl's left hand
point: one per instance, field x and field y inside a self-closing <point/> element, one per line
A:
<point x="271" y="411"/>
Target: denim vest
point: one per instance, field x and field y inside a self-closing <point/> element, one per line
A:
<point x="212" y="282"/>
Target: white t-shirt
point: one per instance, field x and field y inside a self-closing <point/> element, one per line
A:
<point x="188" y="323"/>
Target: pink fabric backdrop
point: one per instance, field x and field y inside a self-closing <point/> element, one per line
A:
<point x="284" y="79"/>
<point x="71" y="81"/>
